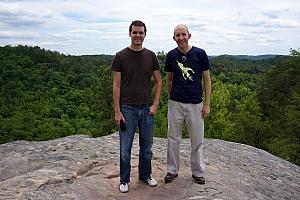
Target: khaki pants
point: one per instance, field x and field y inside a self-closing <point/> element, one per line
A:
<point x="192" y="115"/>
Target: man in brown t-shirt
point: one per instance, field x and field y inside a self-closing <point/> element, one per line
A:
<point x="134" y="107"/>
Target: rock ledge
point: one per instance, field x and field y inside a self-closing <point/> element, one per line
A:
<point x="83" y="168"/>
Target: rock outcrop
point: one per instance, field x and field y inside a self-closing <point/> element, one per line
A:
<point x="83" y="168"/>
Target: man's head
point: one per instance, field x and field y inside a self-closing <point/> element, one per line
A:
<point x="137" y="23"/>
<point x="181" y="35"/>
<point x="137" y="32"/>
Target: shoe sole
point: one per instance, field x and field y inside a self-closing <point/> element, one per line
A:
<point x="201" y="183"/>
<point x="152" y="185"/>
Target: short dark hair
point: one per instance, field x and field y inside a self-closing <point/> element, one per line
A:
<point x="137" y="23"/>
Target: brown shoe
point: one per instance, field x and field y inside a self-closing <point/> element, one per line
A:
<point x="199" y="180"/>
<point x="170" y="177"/>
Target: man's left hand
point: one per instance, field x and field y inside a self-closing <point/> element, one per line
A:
<point x="205" y="111"/>
<point x="153" y="110"/>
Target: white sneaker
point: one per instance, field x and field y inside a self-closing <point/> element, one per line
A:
<point x="124" y="187"/>
<point x="151" y="182"/>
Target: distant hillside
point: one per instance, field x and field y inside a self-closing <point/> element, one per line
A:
<point x="251" y="57"/>
<point x="46" y="95"/>
<point x="105" y="58"/>
<point x="244" y="64"/>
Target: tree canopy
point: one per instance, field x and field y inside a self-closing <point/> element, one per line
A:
<point x="47" y="95"/>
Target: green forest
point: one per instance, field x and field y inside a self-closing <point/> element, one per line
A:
<point x="46" y="95"/>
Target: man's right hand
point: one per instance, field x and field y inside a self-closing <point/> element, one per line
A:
<point x="118" y="117"/>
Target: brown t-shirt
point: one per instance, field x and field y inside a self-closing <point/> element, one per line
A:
<point x="136" y="69"/>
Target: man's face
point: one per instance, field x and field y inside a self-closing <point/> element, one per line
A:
<point x="181" y="36"/>
<point x="137" y="35"/>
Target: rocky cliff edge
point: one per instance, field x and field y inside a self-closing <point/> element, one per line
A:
<point x="83" y="168"/>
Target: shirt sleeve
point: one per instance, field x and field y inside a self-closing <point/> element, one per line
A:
<point x="205" y="64"/>
<point x="156" y="63"/>
<point x="116" y="63"/>
<point x="168" y="65"/>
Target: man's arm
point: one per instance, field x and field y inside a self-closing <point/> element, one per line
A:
<point x="207" y="91"/>
<point x="158" y="84"/>
<point x="169" y="82"/>
<point x="116" y="95"/>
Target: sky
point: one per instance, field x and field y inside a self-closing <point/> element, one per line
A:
<point x="81" y="27"/>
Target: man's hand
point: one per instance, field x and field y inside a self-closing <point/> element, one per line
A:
<point x="205" y="111"/>
<point x="153" y="110"/>
<point x="118" y="117"/>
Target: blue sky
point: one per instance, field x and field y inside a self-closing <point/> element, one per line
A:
<point x="101" y="27"/>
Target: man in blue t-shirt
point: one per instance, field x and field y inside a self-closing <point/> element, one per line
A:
<point x="186" y="66"/>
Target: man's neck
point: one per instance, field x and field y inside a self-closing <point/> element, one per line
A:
<point x="136" y="47"/>
<point x="186" y="49"/>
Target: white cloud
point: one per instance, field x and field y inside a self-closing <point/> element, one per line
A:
<point x="101" y="27"/>
<point x="18" y="35"/>
<point x="283" y="23"/>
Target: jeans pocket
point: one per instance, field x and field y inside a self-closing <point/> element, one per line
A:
<point x="124" y="106"/>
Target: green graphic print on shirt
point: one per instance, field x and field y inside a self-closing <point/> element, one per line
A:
<point x="185" y="71"/>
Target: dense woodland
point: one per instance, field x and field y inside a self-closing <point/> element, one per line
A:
<point x="46" y="95"/>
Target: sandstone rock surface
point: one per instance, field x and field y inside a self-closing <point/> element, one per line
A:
<point x="83" y="168"/>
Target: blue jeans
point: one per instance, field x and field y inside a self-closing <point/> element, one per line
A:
<point x="136" y="116"/>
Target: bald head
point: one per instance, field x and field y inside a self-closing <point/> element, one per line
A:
<point x="180" y="26"/>
<point x="181" y="37"/>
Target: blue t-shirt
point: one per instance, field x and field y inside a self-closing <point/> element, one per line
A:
<point x="187" y="70"/>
